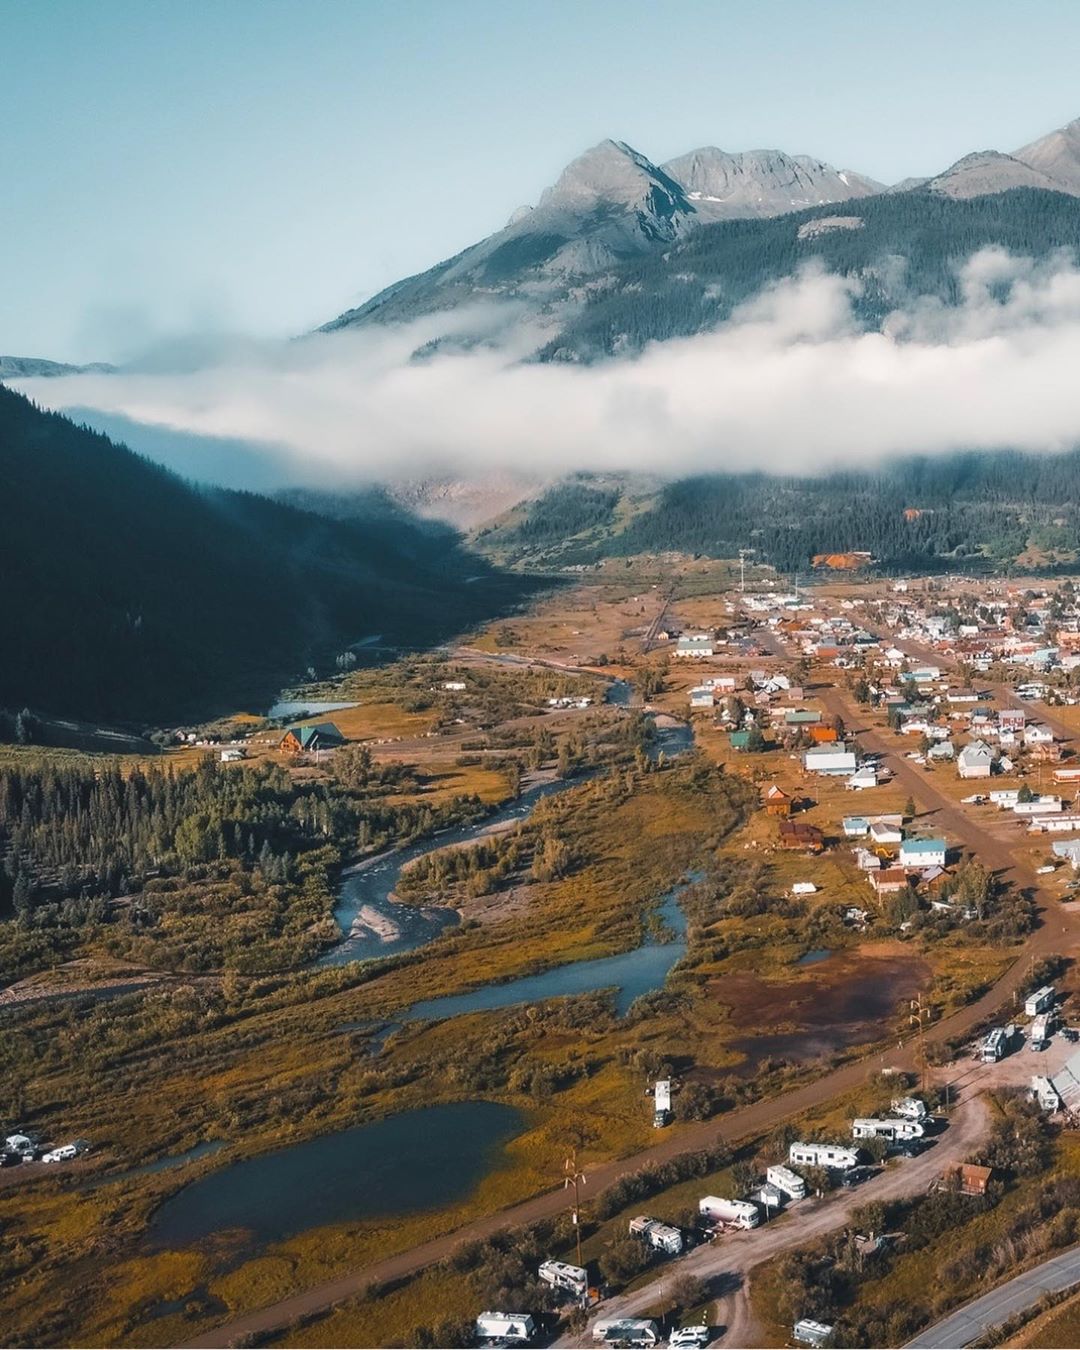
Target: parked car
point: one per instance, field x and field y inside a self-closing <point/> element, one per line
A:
<point x="690" y="1336"/>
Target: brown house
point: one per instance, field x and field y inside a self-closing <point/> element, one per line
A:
<point x="973" y="1180"/>
<point x="888" y="880"/>
<point x="777" y="801"/>
<point x="796" y="834"/>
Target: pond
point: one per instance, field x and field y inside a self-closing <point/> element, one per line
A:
<point x="418" y="1160"/>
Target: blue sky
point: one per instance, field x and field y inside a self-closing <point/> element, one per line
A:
<point x="260" y="165"/>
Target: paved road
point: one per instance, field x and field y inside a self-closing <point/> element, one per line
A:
<point x="759" y="1118"/>
<point x="974" y="1321"/>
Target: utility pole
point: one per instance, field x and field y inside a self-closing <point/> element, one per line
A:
<point x="919" y="1012"/>
<point x="574" y="1176"/>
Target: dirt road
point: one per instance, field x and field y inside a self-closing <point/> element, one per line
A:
<point x="725" y="1264"/>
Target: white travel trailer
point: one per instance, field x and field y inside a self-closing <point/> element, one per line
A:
<point x="1045" y="1093"/>
<point x="823" y="1155"/>
<point x="911" y="1108"/>
<point x="1042" y="1000"/>
<point x="638" y="1331"/>
<point x="869" y="1127"/>
<point x="1039" y="1037"/>
<point x="559" y="1275"/>
<point x="661" y="1237"/>
<point x="661" y="1103"/>
<point x="785" y="1180"/>
<point x="505" y="1328"/>
<point x="736" y="1213"/>
<point x="809" y="1332"/>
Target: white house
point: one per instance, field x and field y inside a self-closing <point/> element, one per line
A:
<point x="694" y="646"/>
<point x="886" y="830"/>
<point x="829" y="759"/>
<point x="863" y="777"/>
<point x="702" y="697"/>
<point x="975" y="760"/>
<point x="922" y="853"/>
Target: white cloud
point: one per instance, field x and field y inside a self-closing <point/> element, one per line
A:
<point x="790" y="384"/>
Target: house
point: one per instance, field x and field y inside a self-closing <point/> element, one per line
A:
<point x="866" y="776"/>
<point x="801" y="717"/>
<point x="309" y="739"/>
<point x="856" y="827"/>
<point x="922" y="853"/>
<point x="695" y="646"/>
<point x="975" y="760"/>
<point x="1054" y="824"/>
<point x="888" y="880"/>
<point x="822" y="735"/>
<point x="866" y="861"/>
<point x="505" y="1328"/>
<point x="971" y="1178"/>
<point x="942" y="750"/>
<point x="886" y="830"/>
<point x="702" y="697"/>
<point x="777" y="801"/>
<point x="796" y="834"/>
<point x="739" y="740"/>
<point x="829" y="759"/>
<point x="1035" y="734"/>
<point x="1038" y="806"/>
<point x="231" y="756"/>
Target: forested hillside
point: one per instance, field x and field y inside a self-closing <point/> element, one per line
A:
<point x="908" y="244"/>
<point x="972" y="510"/>
<point x="132" y="596"/>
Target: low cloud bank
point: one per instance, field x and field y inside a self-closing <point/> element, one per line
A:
<point x="789" y="384"/>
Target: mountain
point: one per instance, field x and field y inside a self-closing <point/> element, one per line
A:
<point x="979" y="512"/>
<point x="725" y="186"/>
<point x="608" y="207"/>
<point x="1056" y="155"/>
<point x="24" y="367"/>
<point x="615" y="225"/>
<point x="697" y="284"/>
<point x="131" y="596"/>
<point x="986" y="172"/>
